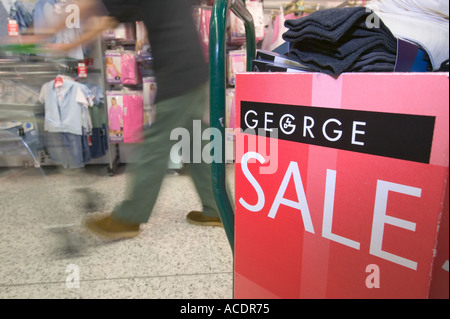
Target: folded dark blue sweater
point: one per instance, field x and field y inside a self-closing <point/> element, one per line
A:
<point x="337" y="40"/>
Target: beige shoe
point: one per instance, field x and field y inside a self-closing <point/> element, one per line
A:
<point x="112" y="229"/>
<point x="197" y="218"/>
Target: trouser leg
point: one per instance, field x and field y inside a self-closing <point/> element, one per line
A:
<point x="200" y="172"/>
<point x="148" y="172"/>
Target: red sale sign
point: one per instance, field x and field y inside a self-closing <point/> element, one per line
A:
<point x="341" y="186"/>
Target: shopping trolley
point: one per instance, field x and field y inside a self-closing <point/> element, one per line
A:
<point x="217" y="61"/>
<point x="22" y="143"/>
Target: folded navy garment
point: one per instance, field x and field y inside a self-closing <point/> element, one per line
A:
<point x="374" y="67"/>
<point x="329" y="19"/>
<point x="339" y="40"/>
<point x="329" y="24"/>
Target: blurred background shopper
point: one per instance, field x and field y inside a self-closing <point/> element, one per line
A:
<point x="182" y="76"/>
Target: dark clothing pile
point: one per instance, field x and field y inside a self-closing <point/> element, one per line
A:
<point x="340" y="40"/>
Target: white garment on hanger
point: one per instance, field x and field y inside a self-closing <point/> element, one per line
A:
<point x="436" y="10"/>
<point x="273" y="34"/>
<point x="424" y="22"/>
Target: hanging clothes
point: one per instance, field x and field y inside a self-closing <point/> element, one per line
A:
<point x="64" y="106"/>
<point x="67" y="121"/>
<point x="22" y="12"/>
<point x="98" y="138"/>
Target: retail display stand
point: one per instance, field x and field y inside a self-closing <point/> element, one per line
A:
<point x="342" y="185"/>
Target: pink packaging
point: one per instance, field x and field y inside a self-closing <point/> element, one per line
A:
<point x="132" y="117"/>
<point x="113" y="67"/>
<point x="129" y="68"/>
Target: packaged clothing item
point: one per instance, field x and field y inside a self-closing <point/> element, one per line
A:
<point x="142" y="44"/>
<point x="149" y="88"/>
<point x="230" y="108"/>
<point x="423" y="22"/>
<point x="113" y="63"/>
<point x="125" y="116"/>
<point x="237" y="62"/>
<point x="133" y="117"/>
<point x="128" y="67"/>
<point x="332" y="41"/>
<point x="202" y="19"/>
<point x="124" y="32"/>
<point x="237" y="27"/>
<point x="115" y="116"/>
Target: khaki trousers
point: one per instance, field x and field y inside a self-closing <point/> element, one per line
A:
<point x="148" y="171"/>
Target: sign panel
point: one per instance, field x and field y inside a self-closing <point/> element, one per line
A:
<point x="340" y="186"/>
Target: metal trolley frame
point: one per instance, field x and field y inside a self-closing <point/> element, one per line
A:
<point x="217" y="62"/>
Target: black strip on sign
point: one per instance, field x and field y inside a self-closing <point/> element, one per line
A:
<point x="400" y="136"/>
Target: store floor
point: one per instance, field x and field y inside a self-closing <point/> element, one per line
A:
<point x="46" y="253"/>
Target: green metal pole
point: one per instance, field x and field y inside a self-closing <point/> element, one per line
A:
<point x="217" y="65"/>
<point x="238" y="8"/>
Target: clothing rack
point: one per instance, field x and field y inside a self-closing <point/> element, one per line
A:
<point x="30" y="70"/>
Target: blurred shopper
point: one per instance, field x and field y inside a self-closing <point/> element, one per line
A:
<point x="182" y="76"/>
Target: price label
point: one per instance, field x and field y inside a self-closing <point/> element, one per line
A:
<point x="82" y="70"/>
<point x="58" y="82"/>
<point x="13" y="28"/>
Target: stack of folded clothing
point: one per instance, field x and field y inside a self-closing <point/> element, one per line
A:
<point x="340" y="40"/>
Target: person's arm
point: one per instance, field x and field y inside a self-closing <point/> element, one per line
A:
<point x="94" y="26"/>
<point x="97" y="27"/>
<point x="89" y="11"/>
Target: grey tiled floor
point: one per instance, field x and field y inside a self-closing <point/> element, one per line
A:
<point x="169" y="259"/>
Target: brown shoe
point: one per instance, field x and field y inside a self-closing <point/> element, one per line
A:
<point x="197" y="218"/>
<point x="112" y="229"/>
